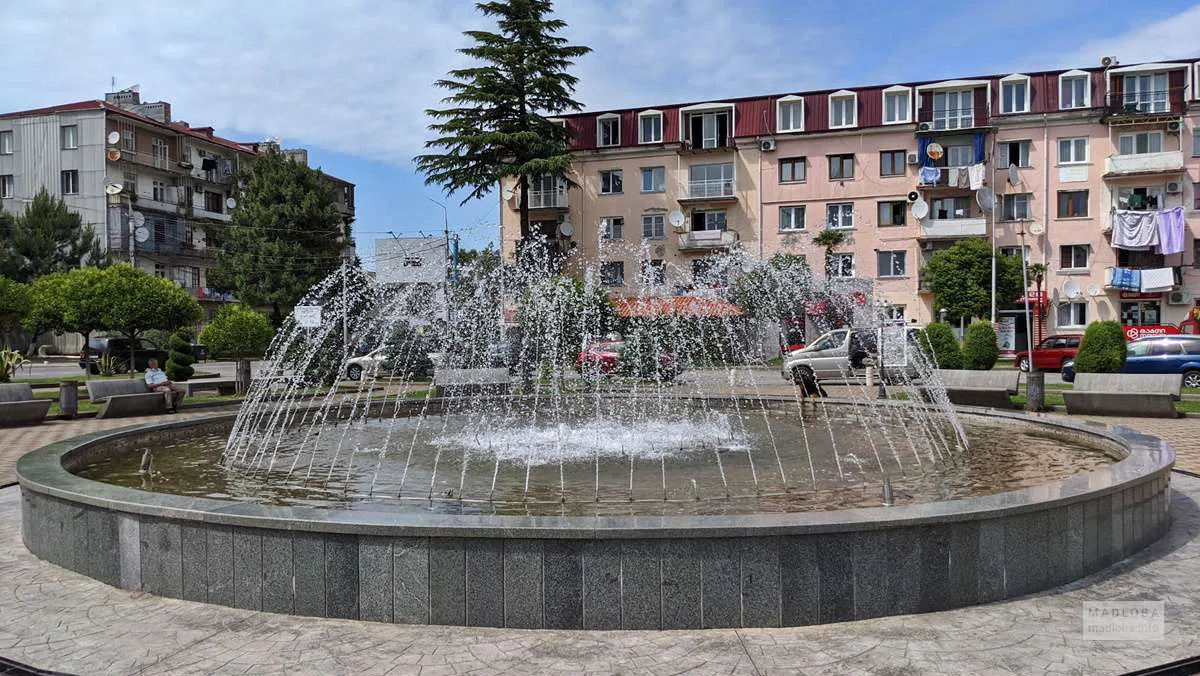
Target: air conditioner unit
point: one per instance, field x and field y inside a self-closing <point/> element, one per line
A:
<point x="924" y="126"/>
<point x="1174" y="187"/>
<point x="766" y="145"/>
<point x="913" y="158"/>
<point x="1174" y="127"/>
<point x="1179" y="298"/>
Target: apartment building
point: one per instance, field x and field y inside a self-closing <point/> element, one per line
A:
<point x="156" y="189"/>
<point x="1041" y="162"/>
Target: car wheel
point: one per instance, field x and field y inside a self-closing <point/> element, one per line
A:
<point x="1023" y="365"/>
<point x="354" y="372"/>
<point x="1191" y="379"/>
<point x="1063" y="365"/>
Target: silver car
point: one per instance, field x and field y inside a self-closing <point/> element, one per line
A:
<point x="845" y="353"/>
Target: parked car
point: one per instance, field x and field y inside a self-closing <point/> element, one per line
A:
<point x="384" y="361"/>
<point x="843" y="353"/>
<point x="1157" y="354"/>
<point x="603" y="358"/>
<point x="117" y="349"/>
<point x="504" y="355"/>
<point x="1051" y="353"/>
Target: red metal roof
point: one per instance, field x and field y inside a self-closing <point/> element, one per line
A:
<point x="684" y="306"/>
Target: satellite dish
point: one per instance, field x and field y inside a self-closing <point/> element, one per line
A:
<point x="1071" y="289"/>
<point x="1036" y="228"/>
<point x="935" y="151"/>
<point x="566" y="228"/>
<point x="141" y="234"/>
<point x="138" y="219"/>
<point x="1095" y="290"/>
<point x="113" y="154"/>
<point x="986" y="198"/>
<point x="1014" y="176"/>
<point x="920" y="208"/>
<point x="114" y="137"/>
<point x="230" y="202"/>
<point x="112" y="186"/>
<point x="507" y="192"/>
<point x="913" y="196"/>
<point x="675" y="218"/>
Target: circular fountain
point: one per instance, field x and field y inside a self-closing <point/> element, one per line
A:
<point x="525" y="492"/>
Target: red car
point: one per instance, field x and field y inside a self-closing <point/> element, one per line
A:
<point x="1051" y="353"/>
<point x="604" y="358"/>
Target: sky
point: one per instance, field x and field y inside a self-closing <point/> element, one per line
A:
<point x="350" y="79"/>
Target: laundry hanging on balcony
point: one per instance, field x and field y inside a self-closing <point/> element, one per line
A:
<point x="1124" y="279"/>
<point x="1170" y="231"/>
<point x="975" y="175"/>
<point x="930" y="175"/>
<point x="1157" y="280"/>
<point x="1135" y="230"/>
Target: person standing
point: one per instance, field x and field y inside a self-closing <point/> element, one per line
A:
<point x="157" y="381"/>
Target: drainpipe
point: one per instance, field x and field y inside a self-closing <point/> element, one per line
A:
<point x="762" y="228"/>
<point x="995" y="198"/>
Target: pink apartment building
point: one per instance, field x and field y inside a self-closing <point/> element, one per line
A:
<point x="765" y="174"/>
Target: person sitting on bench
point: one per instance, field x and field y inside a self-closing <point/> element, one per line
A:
<point x="157" y="381"/>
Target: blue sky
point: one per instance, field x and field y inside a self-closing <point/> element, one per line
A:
<point x="350" y="79"/>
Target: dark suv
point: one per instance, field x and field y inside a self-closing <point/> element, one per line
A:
<point x="118" y="350"/>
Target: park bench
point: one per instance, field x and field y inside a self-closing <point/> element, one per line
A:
<point x="18" y="406"/>
<point x="465" y="382"/>
<point x="126" y="397"/>
<point x="222" y="386"/>
<point x="993" y="389"/>
<point x="1125" y="394"/>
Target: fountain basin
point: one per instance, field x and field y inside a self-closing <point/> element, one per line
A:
<point x="595" y="572"/>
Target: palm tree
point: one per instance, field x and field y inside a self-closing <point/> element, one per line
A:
<point x="1037" y="273"/>
<point x="830" y="239"/>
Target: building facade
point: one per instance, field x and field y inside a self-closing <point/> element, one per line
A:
<point x="1043" y="163"/>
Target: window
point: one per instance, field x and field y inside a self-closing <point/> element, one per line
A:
<point x="1072" y="314"/>
<point x="791" y="219"/>
<point x="843" y="110"/>
<point x="892" y="263"/>
<point x="612" y="273"/>
<point x="1196" y="196"/>
<point x="1072" y="150"/>
<point x="896" y="108"/>
<point x="650" y="127"/>
<point x="891" y="162"/>
<point x="894" y="313"/>
<point x="654" y="271"/>
<point x="612" y="227"/>
<point x="1140" y="199"/>
<point x="840" y="265"/>
<point x="1073" y="256"/>
<point x="892" y="213"/>
<point x="194" y="276"/>
<point x="610" y="182"/>
<point x="1016" y="207"/>
<point x="791" y="114"/>
<point x="960" y="156"/>
<point x="70" y="182"/>
<point x="129" y="139"/>
<point x="1072" y="203"/>
<point x="1013" y="152"/>
<point x="1146" y="93"/>
<point x="949" y="208"/>
<point x="1139" y="144"/>
<point x="954" y="110"/>
<point x="70" y="136"/>
<point x="708" y="220"/>
<point x="710" y="273"/>
<point x="710" y="180"/>
<point x="6" y="143"/>
<point x="708" y="130"/>
<point x="158" y="152"/>
<point x="160" y="230"/>
<point x="189" y="238"/>
<point x="1014" y="251"/>
<point x="159" y="191"/>
<point x="792" y="170"/>
<point x="7" y="189"/>
<point x="129" y="181"/>
<point x="1074" y="91"/>
<point x="1014" y="94"/>
<point x="840" y="216"/>
<point x="653" y="226"/>
<point x="608" y="131"/>
<point x="841" y="167"/>
<point x="1196" y="142"/>
<point x="160" y="270"/>
<point x="214" y="203"/>
<point x="654" y="179"/>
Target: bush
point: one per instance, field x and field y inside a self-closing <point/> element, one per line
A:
<point x="180" y="356"/>
<point x="238" y="332"/>
<point x="979" y="349"/>
<point x="941" y="347"/>
<point x="1102" y="349"/>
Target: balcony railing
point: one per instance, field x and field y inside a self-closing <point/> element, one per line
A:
<point x="707" y="146"/>
<point x="145" y="159"/>
<point x="721" y="189"/>
<point x="201" y="212"/>
<point x="1140" y="105"/>
<point x="1170" y="161"/>
<point x="698" y="240"/>
<point x="953" y="228"/>
<point x="548" y="199"/>
<point x="173" y="247"/>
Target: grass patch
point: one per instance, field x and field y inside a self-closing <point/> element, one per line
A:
<point x="83" y="377"/>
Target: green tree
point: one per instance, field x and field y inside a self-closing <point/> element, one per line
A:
<point x="180" y="356"/>
<point x="941" y="347"/>
<point x="494" y="125"/>
<point x="961" y="279"/>
<point x="559" y="314"/>
<point x="239" y="333"/>
<point x="285" y="236"/>
<point x="829" y="239"/>
<point x="68" y="302"/>
<point x="1102" y="349"/>
<point x="14" y="304"/>
<point x="776" y="291"/>
<point x="138" y="302"/>
<point x="980" y="351"/>
<point x="47" y="237"/>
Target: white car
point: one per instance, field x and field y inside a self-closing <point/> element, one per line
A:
<point x="844" y="353"/>
<point x="380" y="362"/>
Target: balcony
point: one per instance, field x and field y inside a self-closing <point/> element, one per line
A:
<point x="153" y="160"/>
<point x="711" y="190"/>
<point x="555" y="198"/>
<point x="943" y="179"/>
<point x="200" y="212"/>
<point x="707" y="240"/>
<point x="718" y="145"/>
<point x="1144" y="164"/>
<point x="953" y="228"/>
<point x="211" y="295"/>
<point x="170" y="247"/>
<point x="1152" y="105"/>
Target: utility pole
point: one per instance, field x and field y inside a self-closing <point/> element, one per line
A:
<point x="446" y="234"/>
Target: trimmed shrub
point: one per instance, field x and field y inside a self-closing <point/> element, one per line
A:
<point x="1102" y="349"/>
<point x="980" y="351"/>
<point x="180" y="356"/>
<point x="941" y="347"/>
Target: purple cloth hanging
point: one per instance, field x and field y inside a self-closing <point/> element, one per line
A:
<point x="1170" y="231"/>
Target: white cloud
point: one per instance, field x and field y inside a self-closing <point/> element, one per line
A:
<point x="1172" y="37"/>
<point x="356" y="76"/>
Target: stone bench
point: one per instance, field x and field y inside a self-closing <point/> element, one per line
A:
<point x="222" y="386"/>
<point x="992" y="389"/>
<point x="125" y="397"/>
<point x="1125" y="394"/>
<point x="18" y="406"/>
<point x="461" y="382"/>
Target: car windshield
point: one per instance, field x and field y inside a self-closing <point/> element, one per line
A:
<point x="1142" y="348"/>
<point x="829" y="341"/>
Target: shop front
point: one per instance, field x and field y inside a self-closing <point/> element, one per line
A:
<point x="1012" y="331"/>
<point x="1141" y="315"/>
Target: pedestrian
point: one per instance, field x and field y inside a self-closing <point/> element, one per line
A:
<point x="157" y="381"/>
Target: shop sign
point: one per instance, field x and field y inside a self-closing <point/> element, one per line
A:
<point x="1135" y="332"/>
<point x="1139" y="295"/>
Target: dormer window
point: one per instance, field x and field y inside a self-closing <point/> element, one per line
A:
<point x="707" y="125"/>
<point x="1146" y="93"/>
<point x="1074" y="90"/>
<point x="608" y="130"/>
<point x="650" y="126"/>
<point x="843" y="109"/>
<point x="789" y="114"/>
<point x="897" y="105"/>
<point x="1014" y="94"/>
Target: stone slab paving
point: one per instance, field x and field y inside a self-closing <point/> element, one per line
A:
<point x="55" y="619"/>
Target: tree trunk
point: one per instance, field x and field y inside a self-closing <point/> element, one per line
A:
<point x="523" y="182"/>
<point x="132" y="343"/>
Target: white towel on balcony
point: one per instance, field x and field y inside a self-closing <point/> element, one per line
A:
<point x="1134" y="230"/>
<point x="975" y="172"/>
<point x="1158" y="279"/>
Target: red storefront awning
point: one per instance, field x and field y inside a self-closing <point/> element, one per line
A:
<point x="682" y="306"/>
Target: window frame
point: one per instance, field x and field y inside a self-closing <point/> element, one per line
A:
<point x="158" y="190"/>
<point x="793" y="161"/>
<point x="1138" y="93"/>
<point x="10" y="147"/>
<point x="951" y="213"/>
<point x="898" y="90"/>
<point x="892" y="253"/>
<point x="8" y="186"/>
<point x="1063" y="249"/>
<point x="601" y="120"/>
<point x="605" y="277"/>
<point x="1133" y="143"/>
<point x="841" y="159"/>
<point x="789" y="101"/>
<point x="1024" y="147"/>
<point x="892" y="153"/>
<point x="1196" y="141"/>
<point x="1087" y="150"/>
<point x="63" y="176"/>
<point x="1016" y="79"/>
<point x="642" y="118"/>
<point x="1074" y="75"/>
<point x="662" y="186"/>
<point x="1086" y="203"/>
<point x="1072" y="305"/>
<point x="606" y="228"/>
<point x="658" y="228"/>
<point x="958" y="118"/>
<point x="658" y="268"/>
<point x="1013" y="196"/>
<point x="839" y="256"/>
<point x="792" y="209"/>
<point x="843" y="97"/>
<point x="892" y="204"/>
<point x="960" y="148"/>
<point x="62" y="136"/>
<point x="841" y="215"/>
<point x="619" y="174"/>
